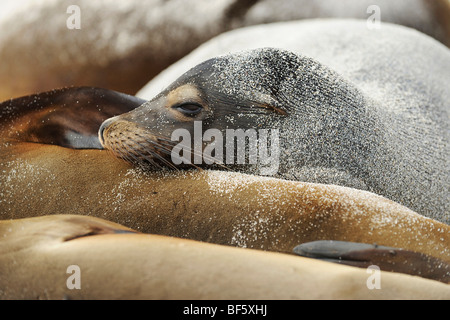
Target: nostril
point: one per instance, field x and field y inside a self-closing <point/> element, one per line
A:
<point x="101" y="130"/>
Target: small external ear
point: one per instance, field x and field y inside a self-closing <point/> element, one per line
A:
<point x="68" y="117"/>
<point x="265" y="107"/>
<point x="275" y="109"/>
<point x="363" y="255"/>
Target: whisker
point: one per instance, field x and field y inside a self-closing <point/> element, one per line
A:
<point x="164" y="149"/>
<point x="140" y="148"/>
<point x="193" y="154"/>
<point x="148" y="158"/>
<point x="129" y="155"/>
<point x="155" y="154"/>
<point x="118" y="152"/>
<point x="168" y="151"/>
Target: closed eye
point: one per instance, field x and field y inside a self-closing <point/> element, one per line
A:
<point x="189" y="109"/>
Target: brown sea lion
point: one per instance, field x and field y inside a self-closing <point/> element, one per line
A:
<point x="76" y="257"/>
<point x="212" y="206"/>
<point x="66" y="117"/>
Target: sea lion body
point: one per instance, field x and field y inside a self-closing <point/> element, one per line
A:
<point x="330" y="130"/>
<point x="76" y="257"/>
<point x="213" y="206"/>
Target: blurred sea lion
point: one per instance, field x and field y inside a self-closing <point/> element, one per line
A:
<point x="122" y="46"/>
<point x="76" y="257"/>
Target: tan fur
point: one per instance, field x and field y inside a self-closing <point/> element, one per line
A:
<point x="35" y="254"/>
<point x="184" y="94"/>
<point x="218" y="207"/>
<point x="187" y="92"/>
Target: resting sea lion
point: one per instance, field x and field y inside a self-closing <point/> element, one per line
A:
<point x="76" y="257"/>
<point x="220" y="207"/>
<point x="330" y="130"/>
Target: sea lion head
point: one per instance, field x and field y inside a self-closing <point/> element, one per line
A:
<point x="257" y="89"/>
<point x="237" y="91"/>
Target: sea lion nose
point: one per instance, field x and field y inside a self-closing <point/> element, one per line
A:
<point x="102" y="128"/>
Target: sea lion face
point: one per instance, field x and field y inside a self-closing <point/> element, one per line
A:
<point x="226" y="93"/>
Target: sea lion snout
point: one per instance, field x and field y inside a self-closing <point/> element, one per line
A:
<point x="133" y="143"/>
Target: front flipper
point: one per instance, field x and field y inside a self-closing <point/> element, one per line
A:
<point x="68" y="117"/>
<point x="386" y="258"/>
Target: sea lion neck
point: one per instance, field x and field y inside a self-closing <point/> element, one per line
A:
<point x="335" y="126"/>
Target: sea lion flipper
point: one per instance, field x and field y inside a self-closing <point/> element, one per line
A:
<point x="68" y="117"/>
<point x="363" y="255"/>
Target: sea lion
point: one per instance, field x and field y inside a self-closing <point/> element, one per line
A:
<point x="330" y="129"/>
<point x="42" y="177"/>
<point x="226" y="208"/>
<point x="76" y="257"/>
<point x="123" y="46"/>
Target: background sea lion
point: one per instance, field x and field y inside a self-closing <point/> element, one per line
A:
<point x="67" y="117"/>
<point x="118" y="263"/>
<point x="331" y="130"/>
<point x="123" y="46"/>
